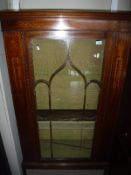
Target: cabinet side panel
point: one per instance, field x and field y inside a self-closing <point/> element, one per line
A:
<point x="117" y="54"/>
<point x="26" y="121"/>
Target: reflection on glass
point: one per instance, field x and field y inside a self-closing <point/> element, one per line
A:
<point x="67" y="85"/>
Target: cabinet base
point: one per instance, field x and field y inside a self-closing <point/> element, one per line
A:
<point x="66" y="165"/>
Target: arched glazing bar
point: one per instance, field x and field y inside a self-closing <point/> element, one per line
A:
<point x="60" y="68"/>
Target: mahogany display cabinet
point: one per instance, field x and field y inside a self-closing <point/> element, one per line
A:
<point x="67" y="71"/>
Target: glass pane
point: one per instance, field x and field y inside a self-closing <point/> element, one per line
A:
<point x="67" y="89"/>
<point x="67" y="78"/>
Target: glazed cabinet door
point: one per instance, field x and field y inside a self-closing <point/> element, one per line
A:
<point x="67" y="87"/>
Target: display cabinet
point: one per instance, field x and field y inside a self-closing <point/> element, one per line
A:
<point x="67" y="71"/>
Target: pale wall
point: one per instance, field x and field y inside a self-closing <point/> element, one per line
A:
<point x="66" y="4"/>
<point x="113" y="5"/>
<point x="124" y="5"/>
<point x="3" y="4"/>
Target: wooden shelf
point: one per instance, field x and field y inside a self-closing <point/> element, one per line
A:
<point x="66" y="115"/>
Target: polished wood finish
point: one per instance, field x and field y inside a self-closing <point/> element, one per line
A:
<point x="124" y="133"/>
<point x="20" y="27"/>
<point x="66" y="165"/>
<point x="115" y="71"/>
<point x="23" y="102"/>
<point x="78" y="20"/>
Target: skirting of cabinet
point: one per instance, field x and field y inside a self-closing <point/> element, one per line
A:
<point x="65" y="172"/>
<point x="66" y="165"/>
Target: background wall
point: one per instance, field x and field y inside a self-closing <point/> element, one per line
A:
<point x="124" y="5"/>
<point x="3" y="4"/>
<point x="66" y="4"/>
